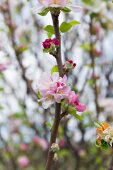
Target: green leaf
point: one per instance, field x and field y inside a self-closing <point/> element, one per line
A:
<point x="49" y="29"/>
<point x="96" y="143"/>
<point x="1" y="107"/>
<point x="39" y="95"/>
<point x="66" y="26"/>
<point x="54" y="69"/>
<point x="52" y="49"/>
<point x="19" y="115"/>
<point x="91" y="82"/>
<point x="72" y="111"/>
<point x="66" y="10"/>
<point x="89" y="65"/>
<point x="94" y="15"/>
<point x="88" y="2"/>
<point x="85" y="46"/>
<point x="49" y="34"/>
<point x="1" y="75"/>
<point x="74" y="22"/>
<point x="48" y="124"/>
<point x="1" y="89"/>
<point x="44" y="12"/>
<point x="97" y="124"/>
<point x="104" y="144"/>
<point x="63" y="153"/>
<point x="46" y="50"/>
<point x="22" y="49"/>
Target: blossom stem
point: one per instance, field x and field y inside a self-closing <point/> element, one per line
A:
<point x="55" y="19"/>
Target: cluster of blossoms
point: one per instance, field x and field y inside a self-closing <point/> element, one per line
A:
<point x="53" y="88"/>
<point x="69" y="65"/>
<point x="48" y="42"/>
<point x="55" y="148"/>
<point x="105" y="134"/>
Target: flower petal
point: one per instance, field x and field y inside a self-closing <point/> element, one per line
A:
<point x="47" y="103"/>
<point x="75" y="8"/>
<point x="80" y="107"/>
<point x="38" y="9"/>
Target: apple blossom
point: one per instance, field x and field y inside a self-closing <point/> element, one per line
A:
<point x="42" y="4"/>
<point x="102" y="133"/>
<point x="108" y="135"/>
<point x="52" y="88"/>
<point x="105" y="135"/>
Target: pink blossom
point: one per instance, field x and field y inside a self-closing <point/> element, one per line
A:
<point x="4" y="66"/>
<point x="23" y="147"/>
<point x="73" y="100"/>
<point x="23" y="161"/>
<point x="40" y="141"/>
<point x="53" y="89"/>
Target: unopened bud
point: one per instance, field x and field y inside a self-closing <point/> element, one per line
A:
<point x="69" y="65"/>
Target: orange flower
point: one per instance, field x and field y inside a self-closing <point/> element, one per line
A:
<point x="102" y="127"/>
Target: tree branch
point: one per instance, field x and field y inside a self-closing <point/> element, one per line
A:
<point x="57" y="105"/>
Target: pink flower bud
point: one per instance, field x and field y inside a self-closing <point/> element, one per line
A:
<point x="69" y="65"/>
<point x="70" y="61"/>
<point x="23" y="161"/>
<point x="47" y="43"/>
<point x="74" y="64"/>
<point x="55" y="41"/>
<point x="49" y="40"/>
